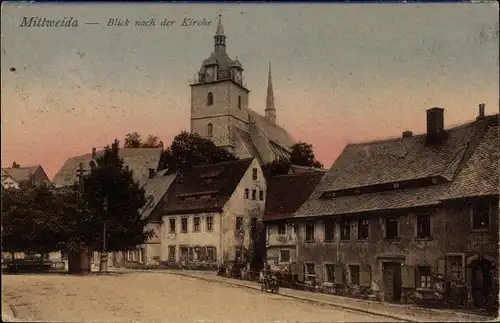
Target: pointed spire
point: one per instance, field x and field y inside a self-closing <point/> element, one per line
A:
<point x="270" y="109"/>
<point x="220" y="29"/>
<point x="220" y="38"/>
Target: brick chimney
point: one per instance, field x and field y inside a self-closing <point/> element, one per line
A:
<point x="407" y="134"/>
<point x="481" y="112"/>
<point x="94" y="153"/>
<point x="435" y="126"/>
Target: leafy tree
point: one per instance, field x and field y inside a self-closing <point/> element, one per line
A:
<point x="29" y="223"/>
<point x="110" y="182"/>
<point x="188" y="150"/>
<point x="302" y="155"/>
<point x="133" y="140"/>
<point x="152" y="142"/>
<point x="15" y="165"/>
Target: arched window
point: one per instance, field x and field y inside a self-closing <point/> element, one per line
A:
<point x="210" y="98"/>
<point x="210" y="130"/>
<point x="239" y="102"/>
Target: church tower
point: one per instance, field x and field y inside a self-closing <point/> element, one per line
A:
<point x="219" y="97"/>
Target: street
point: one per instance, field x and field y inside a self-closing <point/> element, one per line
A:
<point x="165" y="297"/>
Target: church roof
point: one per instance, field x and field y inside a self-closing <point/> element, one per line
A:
<point x="275" y="133"/>
<point x="248" y="143"/>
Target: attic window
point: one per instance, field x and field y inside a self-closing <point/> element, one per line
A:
<point x="434" y="180"/>
<point x="395" y="185"/>
<point x="328" y="194"/>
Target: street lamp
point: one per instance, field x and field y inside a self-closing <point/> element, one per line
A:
<point x="104" y="255"/>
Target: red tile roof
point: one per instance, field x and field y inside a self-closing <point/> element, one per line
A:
<point x="286" y="193"/>
<point x="197" y="192"/>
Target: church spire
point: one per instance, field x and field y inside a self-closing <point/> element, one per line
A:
<point x="220" y="38"/>
<point x="270" y="109"/>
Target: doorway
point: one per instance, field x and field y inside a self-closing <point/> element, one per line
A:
<point x="482" y="283"/>
<point x="392" y="280"/>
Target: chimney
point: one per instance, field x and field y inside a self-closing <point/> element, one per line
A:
<point x="151" y="172"/>
<point x="161" y="145"/>
<point x="481" y="112"/>
<point x="407" y="134"/>
<point x="435" y="125"/>
<point x="93" y="153"/>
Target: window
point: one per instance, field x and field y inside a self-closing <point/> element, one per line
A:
<point x="246" y="193"/>
<point x="197" y="253"/>
<point x="254" y="173"/>
<point x="281" y="228"/>
<point x="424" y="277"/>
<point x="184" y="253"/>
<point x="480" y="215"/>
<point x="363" y="229"/>
<point x="239" y="102"/>
<point x="210" y="98"/>
<point x="238" y="254"/>
<point x="329" y="230"/>
<point x="330" y="273"/>
<point x="310" y="232"/>
<point x="190" y="254"/>
<point x="261" y="195"/>
<point x="309" y="271"/>
<point x="184" y="224"/>
<point x="239" y="224"/>
<point x="455" y="267"/>
<point x="211" y="254"/>
<point x="171" y="253"/>
<point x="196" y="223"/>
<point x="254" y="194"/>
<point x="391" y="228"/>
<point x="423" y="226"/>
<point x="210" y="223"/>
<point x="253" y="226"/>
<point x="345" y="230"/>
<point x="172" y="225"/>
<point x="354" y="269"/>
<point x="210" y="130"/>
<point x="284" y="255"/>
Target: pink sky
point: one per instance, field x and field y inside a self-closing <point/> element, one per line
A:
<point x="341" y="73"/>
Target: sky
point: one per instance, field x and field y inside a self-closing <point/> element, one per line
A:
<point x="342" y="73"/>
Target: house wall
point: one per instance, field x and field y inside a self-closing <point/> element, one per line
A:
<point x="191" y="238"/>
<point x="276" y="242"/>
<point x="238" y="206"/>
<point x="40" y="177"/>
<point x="9" y="182"/>
<point x="371" y="254"/>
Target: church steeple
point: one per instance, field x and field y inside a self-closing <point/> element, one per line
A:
<point x="220" y="38"/>
<point x="270" y="109"/>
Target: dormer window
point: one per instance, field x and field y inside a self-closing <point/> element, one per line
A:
<point x="210" y="130"/>
<point x="395" y="185"/>
<point x="210" y="98"/>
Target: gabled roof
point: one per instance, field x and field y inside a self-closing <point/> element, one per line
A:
<point x="139" y="160"/>
<point x="273" y="133"/>
<point x="155" y="189"/>
<point x="286" y="193"/>
<point x="22" y="174"/>
<point x="197" y="192"/>
<point x="246" y="139"/>
<point x="396" y="161"/>
<point x="479" y="176"/>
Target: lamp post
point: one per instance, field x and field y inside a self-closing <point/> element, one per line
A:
<point x="104" y="255"/>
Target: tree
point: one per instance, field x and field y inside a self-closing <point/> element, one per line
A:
<point x="15" y="165"/>
<point x="302" y="155"/>
<point x="188" y="150"/>
<point x="110" y="182"/>
<point x="152" y="142"/>
<point x="29" y="223"/>
<point x="133" y="140"/>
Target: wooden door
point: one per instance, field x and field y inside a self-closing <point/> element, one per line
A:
<point x="388" y="272"/>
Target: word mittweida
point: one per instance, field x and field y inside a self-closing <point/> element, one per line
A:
<point x="44" y="22"/>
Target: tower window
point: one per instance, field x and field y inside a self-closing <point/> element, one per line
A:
<point x="210" y="98"/>
<point x="239" y="102"/>
<point x="210" y="130"/>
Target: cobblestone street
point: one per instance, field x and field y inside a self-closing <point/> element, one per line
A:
<point x="165" y="297"/>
